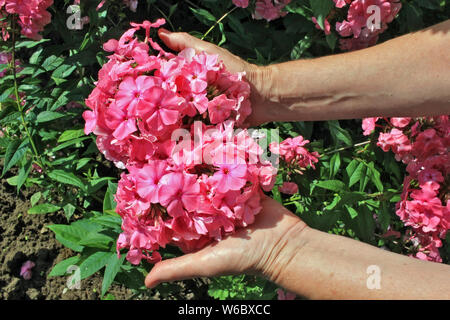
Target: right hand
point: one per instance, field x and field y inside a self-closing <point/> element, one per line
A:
<point x="257" y="76"/>
<point x="264" y="248"/>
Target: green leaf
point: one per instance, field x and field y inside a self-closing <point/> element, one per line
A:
<point x="82" y="162"/>
<point x="335" y="164"/>
<point x="353" y="213"/>
<point x="60" y="269"/>
<point x="52" y="62"/>
<point x="108" y="202"/>
<point x="12" y="181"/>
<point x="97" y="240"/>
<point x="68" y="144"/>
<point x="204" y="16"/>
<point x="69" y="235"/>
<point x="35" y="198"/>
<point x="69" y="210"/>
<point x="112" y="268"/>
<point x="44" y="208"/>
<point x="333" y="185"/>
<point x="94" y="263"/>
<point x="46" y="116"/>
<point x="23" y="174"/>
<point x="67" y="178"/>
<point x="63" y="71"/>
<point x="15" y="151"/>
<point x="301" y="47"/>
<point x="338" y="133"/>
<point x="331" y="40"/>
<point x="70" y="135"/>
<point x="357" y="174"/>
<point x="375" y="176"/>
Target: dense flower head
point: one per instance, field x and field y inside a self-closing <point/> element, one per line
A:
<point x="186" y="203"/>
<point x="170" y="121"/>
<point x="365" y="21"/>
<point x="32" y="16"/>
<point x="140" y="99"/>
<point x="423" y="145"/>
<point x="293" y="152"/>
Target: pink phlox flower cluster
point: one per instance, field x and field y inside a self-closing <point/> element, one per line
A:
<point x="361" y="20"/>
<point x="186" y="190"/>
<point x="423" y="145"/>
<point x="32" y="16"/>
<point x="293" y="152"/>
<point x="266" y="9"/>
<point x="140" y="99"/>
<point x="366" y="19"/>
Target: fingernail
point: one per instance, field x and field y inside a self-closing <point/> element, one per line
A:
<point x="164" y="31"/>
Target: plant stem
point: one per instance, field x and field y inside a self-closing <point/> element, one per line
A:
<point x="18" y="100"/>
<point x="217" y="22"/>
<point x="345" y="148"/>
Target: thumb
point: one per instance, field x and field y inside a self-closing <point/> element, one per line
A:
<point x="178" y="41"/>
<point x="191" y="265"/>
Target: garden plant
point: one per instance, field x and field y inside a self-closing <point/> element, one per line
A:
<point x="146" y="153"/>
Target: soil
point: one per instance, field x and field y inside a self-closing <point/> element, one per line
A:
<point x="24" y="237"/>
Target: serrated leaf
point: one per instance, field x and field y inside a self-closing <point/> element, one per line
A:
<point x="69" y="235"/>
<point x="97" y="240"/>
<point x="60" y="269"/>
<point x="52" y="62"/>
<point x="112" y="268"/>
<point x="15" y="151"/>
<point x="67" y="178"/>
<point x="94" y="263"/>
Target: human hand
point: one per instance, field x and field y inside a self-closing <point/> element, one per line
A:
<point x="258" y="77"/>
<point x="263" y="248"/>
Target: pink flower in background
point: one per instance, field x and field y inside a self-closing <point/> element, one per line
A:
<point x="360" y="30"/>
<point x="25" y="270"/>
<point x="32" y="16"/>
<point x="289" y="188"/>
<point x="400" y="122"/>
<point x="422" y="144"/>
<point x="285" y="296"/>
<point x="241" y="3"/>
<point x="265" y="9"/>
<point x="368" y="125"/>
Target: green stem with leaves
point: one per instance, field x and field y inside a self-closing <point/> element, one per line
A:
<point x="18" y="99"/>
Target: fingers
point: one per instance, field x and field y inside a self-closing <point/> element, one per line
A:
<point x="178" y="41"/>
<point x="188" y="266"/>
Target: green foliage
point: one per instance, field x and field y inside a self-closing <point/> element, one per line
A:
<point x="241" y="287"/>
